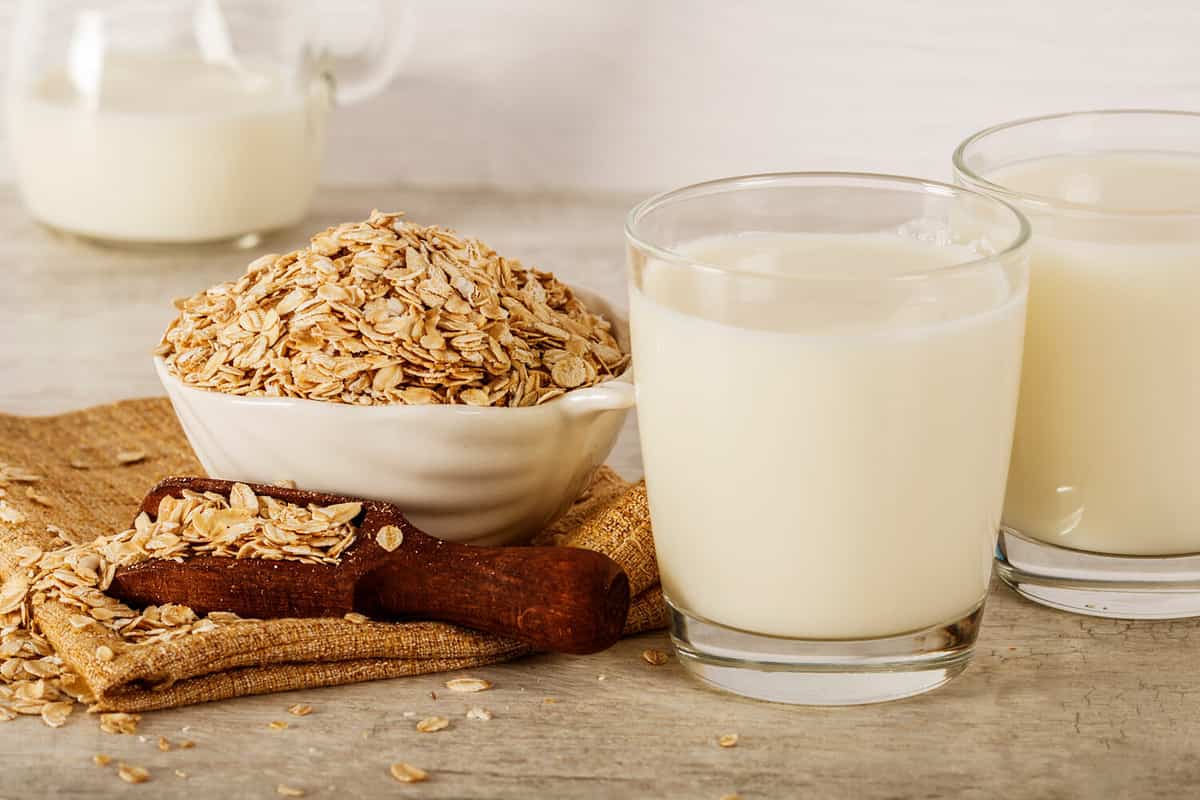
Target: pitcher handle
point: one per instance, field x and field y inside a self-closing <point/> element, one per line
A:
<point x="365" y="69"/>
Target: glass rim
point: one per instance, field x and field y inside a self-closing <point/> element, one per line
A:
<point x="1046" y="203"/>
<point x="755" y="180"/>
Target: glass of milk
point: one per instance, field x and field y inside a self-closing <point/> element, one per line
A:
<point x="1103" y="509"/>
<point x="827" y="369"/>
<point x="184" y="121"/>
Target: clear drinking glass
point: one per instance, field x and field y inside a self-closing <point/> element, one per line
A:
<point x="185" y="120"/>
<point x="1102" y="515"/>
<point x="827" y="370"/>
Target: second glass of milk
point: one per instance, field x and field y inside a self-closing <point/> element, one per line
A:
<point x="1103" y="513"/>
<point x="182" y="121"/>
<point x="827" y="369"/>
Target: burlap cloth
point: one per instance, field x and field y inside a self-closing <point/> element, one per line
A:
<point x="267" y="656"/>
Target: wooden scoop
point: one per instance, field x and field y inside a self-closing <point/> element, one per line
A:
<point x="561" y="599"/>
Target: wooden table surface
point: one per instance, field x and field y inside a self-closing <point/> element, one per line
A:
<point x="1054" y="705"/>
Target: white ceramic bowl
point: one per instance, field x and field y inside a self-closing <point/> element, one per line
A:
<point x="477" y="475"/>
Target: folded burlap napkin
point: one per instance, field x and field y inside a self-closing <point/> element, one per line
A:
<point x="93" y="481"/>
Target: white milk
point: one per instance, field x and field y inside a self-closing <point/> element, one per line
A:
<point x="1108" y="433"/>
<point x="817" y="478"/>
<point x="170" y="149"/>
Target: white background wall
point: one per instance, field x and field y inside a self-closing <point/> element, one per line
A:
<point x="645" y="94"/>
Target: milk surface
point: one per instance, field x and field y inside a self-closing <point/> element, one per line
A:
<point x="167" y="148"/>
<point x="816" y="476"/>
<point x="1108" y="431"/>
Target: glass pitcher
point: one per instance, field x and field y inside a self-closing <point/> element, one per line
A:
<point x="183" y="121"/>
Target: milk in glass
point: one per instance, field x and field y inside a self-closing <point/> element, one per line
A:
<point x="1108" y="428"/>
<point x="822" y="465"/>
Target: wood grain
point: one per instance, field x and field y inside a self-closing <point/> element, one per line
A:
<point x="1054" y="706"/>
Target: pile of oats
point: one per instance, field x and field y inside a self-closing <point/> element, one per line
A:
<point x="34" y="680"/>
<point x="244" y="525"/>
<point x="390" y="312"/>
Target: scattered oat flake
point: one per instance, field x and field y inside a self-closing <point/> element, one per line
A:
<point x="35" y="681"/>
<point x="288" y="791"/>
<point x="389" y="537"/>
<point x="277" y="725"/>
<point x="186" y="744"/>
<point x="300" y="710"/>
<point x="131" y="455"/>
<point x="119" y="723"/>
<point x="468" y="684"/>
<point x="180" y="773"/>
<point x="655" y="657"/>
<point x="11" y="474"/>
<point x="12" y="594"/>
<point x="10" y="514"/>
<point x="432" y="724"/>
<point x="132" y="774"/>
<point x="355" y="617"/>
<point x="79" y="463"/>
<point x="101" y="760"/>
<point x="728" y="740"/>
<point x="479" y="713"/>
<point x="40" y="499"/>
<point x="164" y="744"/>
<point x="55" y="714"/>
<point x="407" y="773"/>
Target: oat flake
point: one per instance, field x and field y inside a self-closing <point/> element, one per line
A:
<point x="433" y="724"/>
<point x="132" y="774"/>
<point x="389" y="537"/>
<point x="655" y="657"/>
<point x="407" y="773"/>
<point x="468" y="685"/>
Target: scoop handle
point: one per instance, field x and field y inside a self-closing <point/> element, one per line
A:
<point x="559" y="599"/>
